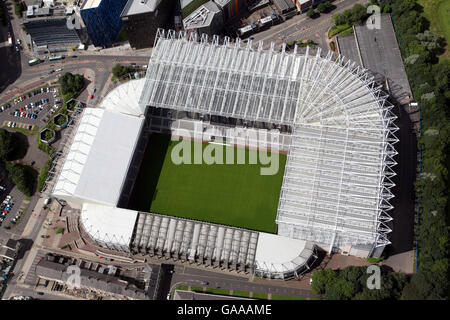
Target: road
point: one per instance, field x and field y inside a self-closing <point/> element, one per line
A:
<point x="300" y="27"/>
<point x="224" y="281"/>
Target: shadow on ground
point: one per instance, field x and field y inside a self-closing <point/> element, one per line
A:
<point x="144" y="190"/>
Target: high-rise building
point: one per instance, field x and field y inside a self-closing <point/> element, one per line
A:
<point x="102" y="20"/>
<point x="141" y="19"/>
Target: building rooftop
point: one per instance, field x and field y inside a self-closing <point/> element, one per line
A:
<point x="222" y="3"/>
<point x="88" y="4"/>
<point x="96" y="165"/>
<point x="89" y="279"/>
<point x="139" y="6"/>
<point x="202" y="16"/>
<point x="110" y="225"/>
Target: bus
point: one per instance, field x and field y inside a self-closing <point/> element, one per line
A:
<point x="55" y="58"/>
<point x="34" y="61"/>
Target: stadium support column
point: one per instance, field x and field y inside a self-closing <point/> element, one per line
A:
<point x="330" y="251"/>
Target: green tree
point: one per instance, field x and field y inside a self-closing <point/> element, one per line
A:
<point x="339" y="289"/>
<point x="22" y="177"/>
<point x="321" y="278"/>
<point x="433" y="42"/>
<point x="120" y="71"/>
<point x="7" y="145"/>
<point x="321" y="8"/>
<point x="310" y="13"/>
<point x="71" y="83"/>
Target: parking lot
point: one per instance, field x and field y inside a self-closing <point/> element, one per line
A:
<point x="13" y="206"/>
<point x="31" y="109"/>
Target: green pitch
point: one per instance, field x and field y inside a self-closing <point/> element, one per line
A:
<point x="230" y="194"/>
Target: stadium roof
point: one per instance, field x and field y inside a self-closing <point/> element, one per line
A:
<point x="110" y="225"/>
<point x="124" y="98"/>
<point x="101" y="151"/>
<point x="337" y="179"/>
<point x="278" y="255"/>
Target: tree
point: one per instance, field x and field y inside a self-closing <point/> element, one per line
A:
<point x="7" y="145"/>
<point x="22" y="177"/>
<point x="400" y="7"/>
<point x="71" y="83"/>
<point x="310" y="13"/>
<point x="321" y="8"/>
<point x="433" y="42"/>
<point x="321" y="278"/>
<point x="340" y="289"/>
<point x="119" y="71"/>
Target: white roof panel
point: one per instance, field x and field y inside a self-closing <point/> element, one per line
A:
<point x="125" y="98"/>
<point x="108" y="224"/>
<point x="97" y="163"/>
<point x="278" y="254"/>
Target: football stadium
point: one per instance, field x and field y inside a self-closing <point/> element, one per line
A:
<point x="231" y="156"/>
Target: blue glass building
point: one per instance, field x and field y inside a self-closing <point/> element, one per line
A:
<point x="102" y="20"/>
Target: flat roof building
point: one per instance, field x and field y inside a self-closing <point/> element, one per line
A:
<point x="141" y="19"/>
<point x="207" y="19"/>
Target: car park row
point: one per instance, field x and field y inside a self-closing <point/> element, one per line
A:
<point x="33" y="109"/>
<point x="5" y="208"/>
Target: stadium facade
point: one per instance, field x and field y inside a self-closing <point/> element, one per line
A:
<point x="336" y="186"/>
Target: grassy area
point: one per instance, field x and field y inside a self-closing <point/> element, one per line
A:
<point x="340" y="30"/>
<point x="182" y="288"/>
<point x="229" y="194"/>
<point x="191" y="7"/>
<point x="243" y="294"/>
<point x="21" y="130"/>
<point x="44" y="174"/>
<point x="259" y="295"/>
<point x="218" y="291"/>
<point x="438" y="13"/>
<point x="283" y="297"/>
